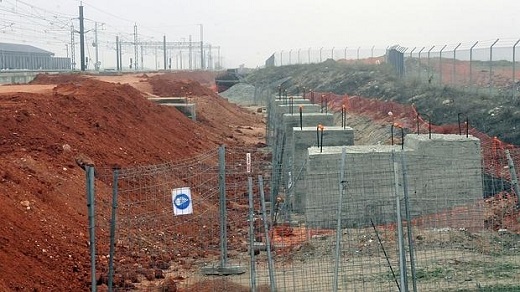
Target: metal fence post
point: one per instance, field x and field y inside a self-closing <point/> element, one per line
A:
<point x="491" y="67"/>
<point x="514" y="178"/>
<point x="113" y="230"/>
<point x="420" y="63"/>
<point x="342" y="185"/>
<point x="440" y="64"/>
<point x="514" y="69"/>
<point x="400" y="236"/>
<point x="410" y="57"/>
<point x="222" y="203"/>
<point x="429" y="66"/>
<point x="411" y="249"/>
<point x="454" y="65"/>
<point x="267" y="237"/>
<point x="471" y="64"/>
<point x="91" y="223"/>
<point x="252" y="272"/>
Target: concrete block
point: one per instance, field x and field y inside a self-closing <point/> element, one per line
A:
<point x="444" y="181"/>
<point x="306" y="137"/>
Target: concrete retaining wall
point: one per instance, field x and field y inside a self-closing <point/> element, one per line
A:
<point x="17" y="78"/>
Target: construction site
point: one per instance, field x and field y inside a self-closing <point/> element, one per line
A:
<point x="289" y="189"/>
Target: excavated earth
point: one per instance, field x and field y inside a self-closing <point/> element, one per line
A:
<point x="57" y="120"/>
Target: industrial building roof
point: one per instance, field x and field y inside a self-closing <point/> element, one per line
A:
<point x="8" y="47"/>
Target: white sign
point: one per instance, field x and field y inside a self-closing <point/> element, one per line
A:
<point x="181" y="200"/>
<point x="248" y="162"/>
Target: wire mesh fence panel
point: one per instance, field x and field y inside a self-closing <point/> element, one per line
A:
<point x="435" y="214"/>
<point x="158" y="237"/>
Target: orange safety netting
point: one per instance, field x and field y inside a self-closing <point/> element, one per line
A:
<point x="406" y="116"/>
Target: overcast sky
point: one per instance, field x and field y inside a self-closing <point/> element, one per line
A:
<point x="248" y="32"/>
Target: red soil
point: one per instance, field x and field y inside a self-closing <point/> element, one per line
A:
<point x="44" y="234"/>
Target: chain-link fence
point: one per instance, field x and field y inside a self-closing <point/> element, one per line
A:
<point x="318" y="55"/>
<point x="485" y="65"/>
<point x="480" y="66"/>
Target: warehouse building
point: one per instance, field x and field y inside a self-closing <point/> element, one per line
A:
<point x="27" y="57"/>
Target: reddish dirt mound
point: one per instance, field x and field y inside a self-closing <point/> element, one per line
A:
<point x="205" y="78"/>
<point x="164" y="86"/>
<point x="221" y="116"/>
<point x="43" y="236"/>
<point x="57" y="78"/>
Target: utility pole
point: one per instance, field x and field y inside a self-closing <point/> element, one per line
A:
<point x="142" y="58"/>
<point x="210" y="59"/>
<point x="218" y="58"/>
<point x="180" y="59"/>
<point x="136" y="54"/>
<point x="118" y="65"/>
<point x="96" y="65"/>
<point x="82" y="38"/>
<point x="190" y="53"/>
<point x="72" y="48"/>
<point x="201" y="47"/>
<point x="164" y="50"/>
<point x="156" y="60"/>
<point x="120" y="56"/>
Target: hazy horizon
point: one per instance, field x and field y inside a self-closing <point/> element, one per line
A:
<point x="248" y="32"/>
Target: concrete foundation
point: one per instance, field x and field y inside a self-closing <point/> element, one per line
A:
<point x="288" y="123"/>
<point x="295" y="102"/>
<point x="174" y="99"/>
<point x="295" y="109"/>
<point x="443" y="175"/>
<point x="187" y="109"/>
<point x="180" y="103"/>
<point x="306" y="137"/>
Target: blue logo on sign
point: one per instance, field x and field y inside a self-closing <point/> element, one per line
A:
<point x="181" y="201"/>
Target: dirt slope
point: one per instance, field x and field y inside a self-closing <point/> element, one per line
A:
<point x="44" y="236"/>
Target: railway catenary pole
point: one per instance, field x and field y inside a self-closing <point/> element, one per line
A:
<point x="82" y="38"/>
<point x="136" y="53"/>
<point x="190" y="52"/>
<point x="201" y="47"/>
<point x="164" y="52"/>
<point x="118" y="65"/>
